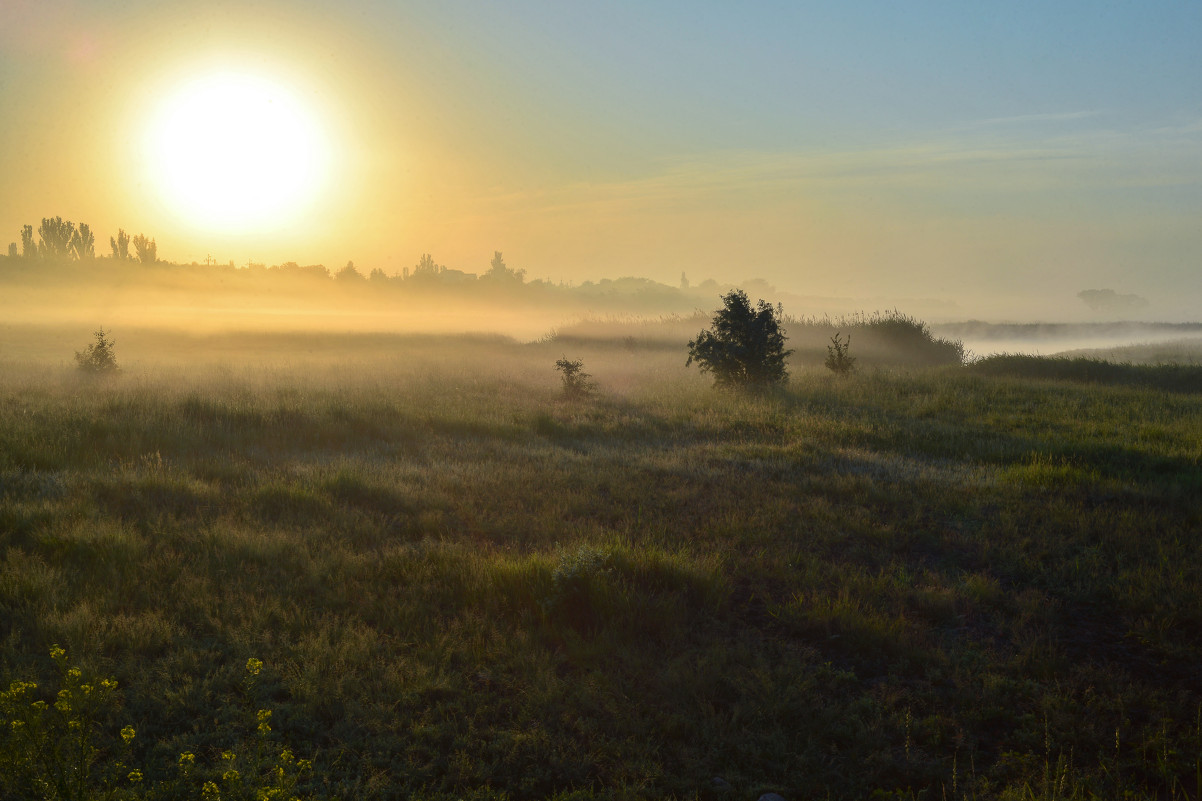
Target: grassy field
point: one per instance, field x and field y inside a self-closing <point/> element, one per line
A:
<point x="931" y="582"/>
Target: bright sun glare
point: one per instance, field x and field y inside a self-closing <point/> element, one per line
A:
<point x="236" y="152"/>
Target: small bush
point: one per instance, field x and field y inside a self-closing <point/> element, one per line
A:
<point x="837" y="359"/>
<point x="746" y="346"/>
<point x="576" y="383"/>
<point x="99" y="357"/>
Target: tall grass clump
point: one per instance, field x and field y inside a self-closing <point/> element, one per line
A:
<point x="884" y="338"/>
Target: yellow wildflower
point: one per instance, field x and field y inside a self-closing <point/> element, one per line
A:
<point x="264" y="717"/>
<point x="135" y="776"/>
<point x="128" y="734"/>
<point x="253" y="666"/>
<point x="57" y="654"/>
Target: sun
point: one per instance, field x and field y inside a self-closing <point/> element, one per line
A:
<point x="236" y="152"/>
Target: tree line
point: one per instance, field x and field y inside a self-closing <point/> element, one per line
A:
<point x="59" y="239"/>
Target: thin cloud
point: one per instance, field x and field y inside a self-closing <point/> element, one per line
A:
<point x="1030" y="119"/>
<point x="962" y="164"/>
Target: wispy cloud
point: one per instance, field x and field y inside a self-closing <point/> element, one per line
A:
<point x="1031" y="119"/>
<point x="986" y="159"/>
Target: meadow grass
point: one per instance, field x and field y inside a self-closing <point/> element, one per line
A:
<point x="1165" y="376"/>
<point x="921" y="583"/>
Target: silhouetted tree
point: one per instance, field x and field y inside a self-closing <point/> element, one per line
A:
<point x="29" y="248"/>
<point x="12" y="250"/>
<point x="349" y="273"/>
<point x="54" y="235"/>
<point x="746" y="346"/>
<point x="426" y="267"/>
<point x="1107" y="300"/>
<point x="146" y="248"/>
<point x="497" y="271"/>
<point x="83" y="242"/>
<point x="120" y="245"/>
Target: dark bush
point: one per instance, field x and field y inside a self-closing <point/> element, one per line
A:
<point x="745" y="346"/>
<point x="99" y="357"/>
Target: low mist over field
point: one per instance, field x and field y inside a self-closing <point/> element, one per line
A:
<point x="82" y="291"/>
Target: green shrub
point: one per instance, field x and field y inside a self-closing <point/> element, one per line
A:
<point x="837" y="360"/>
<point x="577" y="384"/>
<point x="99" y="357"/>
<point x="746" y="346"/>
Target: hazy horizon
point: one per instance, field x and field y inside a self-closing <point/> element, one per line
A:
<point x="993" y="162"/>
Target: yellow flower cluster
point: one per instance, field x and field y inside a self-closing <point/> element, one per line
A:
<point x="18" y="688"/>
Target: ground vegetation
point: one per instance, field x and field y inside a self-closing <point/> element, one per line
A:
<point x="920" y="583"/>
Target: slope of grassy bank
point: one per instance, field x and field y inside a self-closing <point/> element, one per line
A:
<point x="932" y="582"/>
<point x="1085" y="369"/>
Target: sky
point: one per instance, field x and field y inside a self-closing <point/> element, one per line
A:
<point x="999" y="157"/>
